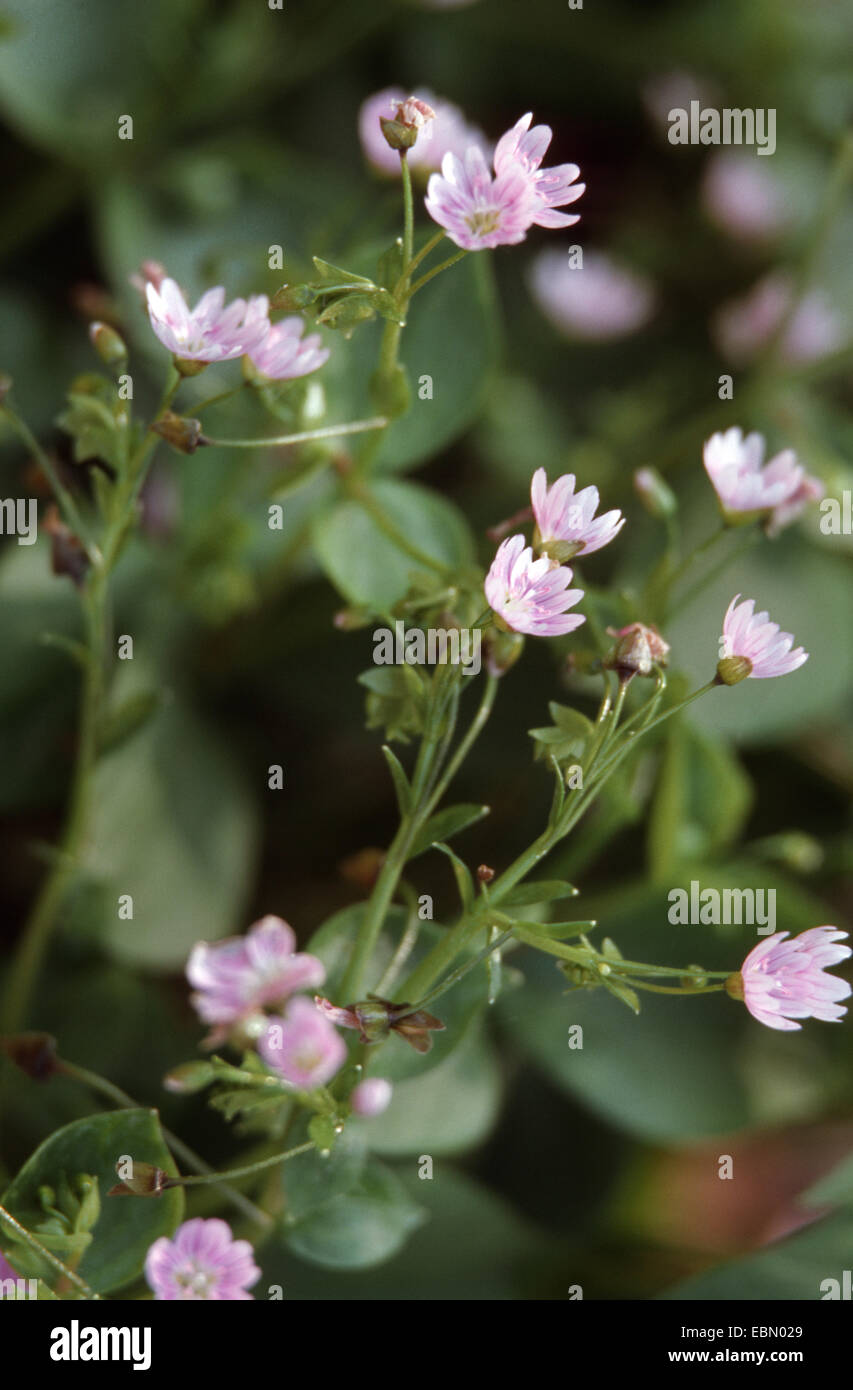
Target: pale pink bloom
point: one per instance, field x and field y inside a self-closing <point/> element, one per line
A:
<point x="754" y="638"/>
<point x="202" y="1261"/>
<point x="478" y="211"/>
<point x="810" y="490"/>
<point x="447" y="132"/>
<point x="741" y="479"/>
<point x="371" y="1097"/>
<point x="786" y="979"/>
<point x="594" y="302"/>
<point x="556" y="186"/>
<point x="236" y="977"/>
<point x="742" y="327"/>
<point x="565" y="515"/>
<point x="531" y="596"/>
<point x="212" y="331"/>
<point x="285" y="354"/>
<point x="742" y="197"/>
<point x="303" y="1046"/>
<point x="343" y="1017"/>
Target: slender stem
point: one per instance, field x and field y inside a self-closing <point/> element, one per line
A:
<point x="408" y="207"/>
<point x="445" y="265"/>
<point x="305" y="437"/>
<point x="421" y="256"/>
<point x="674" y="989"/>
<point x="217" y="1178"/>
<point x="63" y="496"/>
<point x="21" y="1233"/>
<point x="404" y="948"/>
<point x="476" y="727"/>
<point x="461" y="970"/>
<point x="187" y="1155"/>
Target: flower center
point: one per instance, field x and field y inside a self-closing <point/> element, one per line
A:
<point x="483" y="222"/>
<point x="195" y="1281"/>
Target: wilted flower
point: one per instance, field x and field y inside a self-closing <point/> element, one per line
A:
<point x="478" y="211"/>
<point x="782" y="980"/>
<point x="531" y="596"/>
<point x="201" y="1261"/>
<point x="742" y="197"/>
<point x="371" y="1097"/>
<point x="755" y="647"/>
<point x="447" y="132"/>
<point x="744" y="326"/>
<point x="639" y="649"/>
<point x="565" y="520"/>
<point x="595" y="302"/>
<point x="285" y="354"/>
<point x="303" y="1046"/>
<point x="234" y="978"/>
<point x="212" y="331"/>
<point x="525" y="148"/>
<point x="743" y="483"/>
<point x="375" y="1018"/>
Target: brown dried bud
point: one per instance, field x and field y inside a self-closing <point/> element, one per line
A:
<point x="639" y="649"/>
<point x="362" y="868"/>
<point x="485" y="874"/>
<point x="181" y="432"/>
<point x="67" y="555"/>
<point x="147" y="1181"/>
<point x="33" y="1053"/>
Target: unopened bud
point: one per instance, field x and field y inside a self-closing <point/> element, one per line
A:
<point x="656" y="495"/>
<point x="67" y="555"/>
<point x="189" y="1077"/>
<point x="734" y="986"/>
<point x="733" y="669"/>
<point x="109" y="346"/>
<point x="485" y="874"/>
<point x="639" y="649"/>
<point x="182" y="433"/>
<point x="409" y="120"/>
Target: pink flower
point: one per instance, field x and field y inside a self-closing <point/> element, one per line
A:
<point x="743" y="483"/>
<point x="303" y="1046"/>
<point x="810" y="490"/>
<point x="211" y="332"/>
<point x="234" y="978"/>
<point x="754" y="647"/>
<point x="742" y="197"/>
<point x="562" y="515"/>
<point x="201" y="1261"/>
<point x="371" y="1097"/>
<point x="6" y="1270"/>
<point x="285" y="354"/>
<point x="782" y="980"/>
<point x="477" y="211"/>
<point x="744" y="326"/>
<point x="524" y="148"/>
<point x="594" y="302"/>
<point x="447" y="132"/>
<point x="530" y="595"/>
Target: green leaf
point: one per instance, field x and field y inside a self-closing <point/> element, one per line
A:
<point x="91" y="420"/>
<point x="445" y="824"/>
<point x="448" y="1110"/>
<point x="700" y="804"/>
<point x="568" y="737"/>
<point x="397" y="700"/>
<point x="367" y="565"/>
<point x="401" y="782"/>
<point x="792" y="1269"/>
<point x="311" y="1181"/>
<point x="127" y="1226"/>
<point x="124" y="721"/>
<point x="462" y="874"/>
<point x="327" y="271"/>
<point x="546" y="891"/>
<point x="834" y="1189"/>
<point x="361" y="1227"/>
<point x="174" y="827"/>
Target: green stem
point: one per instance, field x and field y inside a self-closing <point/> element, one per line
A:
<point x="63" y="496"/>
<point x="408" y="207"/>
<point x="445" y="265"/>
<point x="250" y="1168"/>
<point x="476" y="727"/>
<point x="188" y="1157"/>
<point x="673" y="989"/>
<point x="22" y="1234"/>
<point x="305" y="437"/>
<point x="425" y="250"/>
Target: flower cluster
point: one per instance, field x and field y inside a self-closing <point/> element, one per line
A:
<point x="218" y="332"/>
<point x="748" y="488"/>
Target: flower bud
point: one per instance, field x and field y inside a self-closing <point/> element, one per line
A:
<point x="33" y="1053"/>
<point x="371" y="1097"/>
<point x="638" y="651"/>
<point x="485" y="874"/>
<point x="733" y="669"/>
<point x="656" y="495"/>
<point x="734" y="986"/>
<point x="109" y="346"/>
<point x="502" y="649"/>
<point x="411" y="116"/>
<point x="182" y="433"/>
<point x="67" y="555"/>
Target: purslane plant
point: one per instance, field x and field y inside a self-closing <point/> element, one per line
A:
<point x="301" y="1035"/>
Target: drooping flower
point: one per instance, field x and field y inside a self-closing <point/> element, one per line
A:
<point x="810" y="490"/>
<point x="447" y="132"/>
<point x="202" y="1261"/>
<point x="212" y="331"/>
<point x="782" y="980"/>
<point x="531" y="596"/>
<point x="371" y="1097"/>
<point x="237" y="977"/>
<point x="566" y="523"/>
<point x="744" y="484"/>
<point x="754" y="646"/>
<point x="478" y="211"/>
<point x="557" y="186"/>
<point x="596" y="302"/>
<point x="742" y="197"/>
<point x="303" y="1046"/>
<point x="744" y="326"/>
<point x="285" y="354"/>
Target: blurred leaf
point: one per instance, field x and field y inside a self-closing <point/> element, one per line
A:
<point x="401" y="783"/>
<point x="445" y="824"/>
<point x="834" y="1189"/>
<point x="310" y="1181"/>
<point x="701" y="802"/>
<point x="462" y="874"/>
<point x="795" y="1268"/>
<point x="365" y="564"/>
<point x="174" y="827"/>
<point x="361" y="1227"/>
<point x="396" y="701"/>
<point x="126" y="1227"/>
<point x="545" y="891"/>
